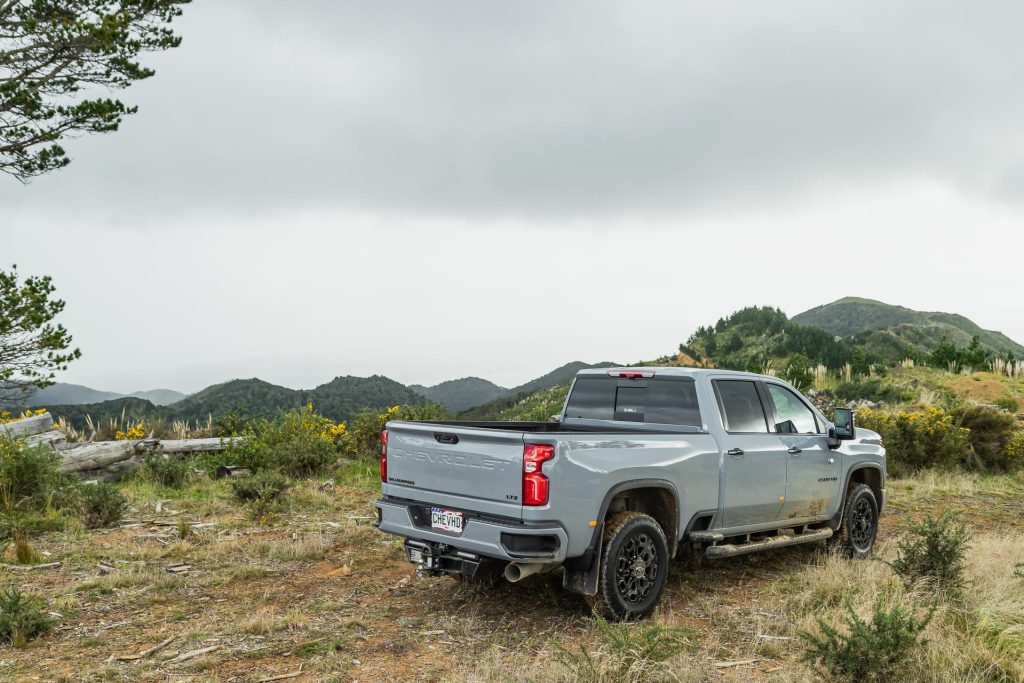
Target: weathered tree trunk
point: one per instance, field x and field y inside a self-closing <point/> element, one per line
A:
<point x="37" y="424"/>
<point x="107" y="460"/>
<point x="94" y="456"/>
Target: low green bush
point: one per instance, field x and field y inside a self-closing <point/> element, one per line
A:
<point x="167" y="471"/>
<point x="262" y="493"/>
<point x="28" y="475"/>
<point x="300" y="443"/>
<point x="22" y="617"/>
<point x="935" y="550"/>
<point x="1007" y="403"/>
<point x="260" y="486"/>
<point x="869" y="650"/>
<point x="872" y="389"/>
<point x="991" y="432"/>
<point x="101" y="505"/>
<point x="627" y="651"/>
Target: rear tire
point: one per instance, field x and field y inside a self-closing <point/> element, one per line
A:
<point x="859" y="527"/>
<point x="633" y="566"/>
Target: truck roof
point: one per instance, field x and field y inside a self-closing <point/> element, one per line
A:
<point x="663" y="370"/>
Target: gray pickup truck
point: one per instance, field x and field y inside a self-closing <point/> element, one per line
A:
<point x="642" y="462"/>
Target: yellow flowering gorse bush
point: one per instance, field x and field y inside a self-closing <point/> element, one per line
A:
<point x="6" y="416"/>
<point x="134" y="432"/>
<point x="916" y="439"/>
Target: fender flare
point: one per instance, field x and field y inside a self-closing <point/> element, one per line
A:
<point x="837" y="518"/>
<point x="581" y="573"/>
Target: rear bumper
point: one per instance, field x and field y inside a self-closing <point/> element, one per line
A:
<point x="484" y="537"/>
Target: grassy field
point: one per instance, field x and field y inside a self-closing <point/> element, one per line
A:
<point x="316" y="591"/>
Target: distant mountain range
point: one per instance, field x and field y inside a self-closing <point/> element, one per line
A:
<point x="340" y="399"/>
<point x="753" y="338"/>
<point x="61" y="393"/>
<point x="459" y="395"/>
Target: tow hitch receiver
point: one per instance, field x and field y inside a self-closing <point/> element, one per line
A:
<point x="437" y="558"/>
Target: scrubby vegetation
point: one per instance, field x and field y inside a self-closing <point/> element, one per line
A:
<point x="867" y="650"/>
<point x="934" y="551"/>
<point x="22" y="617"/>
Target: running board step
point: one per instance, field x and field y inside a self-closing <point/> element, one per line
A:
<point x="767" y="543"/>
<point x="705" y="536"/>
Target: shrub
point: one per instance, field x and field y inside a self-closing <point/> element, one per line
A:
<point x="28" y="474"/>
<point x="991" y="431"/>
<point x="628" y="651"/>
<point x="364" y="436"/>
<point x="872" y="389"/>
<point x="101" y="505"/>
<point x="299" y="443"/>
<point x="22" y="617"/>
<point x="260" y="486"/>
<point x="1014" y="450"/>
<point x="869" y="650"/>
<point x="918" y="439"/>
<point x="936" y="551"/>
<point x="262" y="493"/>
<point x="166" y="471"/>
<point x="1007" y="403"/>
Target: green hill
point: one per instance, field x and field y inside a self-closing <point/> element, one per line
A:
<point x="896" y="332"/>
<point x="339" y="399"/>
<point x="460" y="394"/>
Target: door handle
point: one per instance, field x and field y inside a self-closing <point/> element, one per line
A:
<point x="793" y="450"/>
<point x="735" y="452"/>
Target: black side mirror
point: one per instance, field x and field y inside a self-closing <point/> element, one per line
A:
<point x="843" y="424"/>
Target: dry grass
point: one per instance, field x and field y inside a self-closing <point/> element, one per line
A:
<point x="331" y="595"/>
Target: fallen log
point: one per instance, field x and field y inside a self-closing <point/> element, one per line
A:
<point x="37" y="424"/>
<point x="112" y="460"/>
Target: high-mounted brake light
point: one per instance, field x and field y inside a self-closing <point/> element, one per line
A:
<point x="384" y="456"/>
<point x="535" y="484"/>
<point x="631" y="374"/>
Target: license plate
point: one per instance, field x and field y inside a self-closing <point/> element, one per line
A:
<point x="446" y="520"/>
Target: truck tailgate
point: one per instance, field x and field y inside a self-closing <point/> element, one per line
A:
<point x="478" y="470"/>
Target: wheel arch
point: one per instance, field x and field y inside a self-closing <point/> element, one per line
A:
<point x="866" y="473"/>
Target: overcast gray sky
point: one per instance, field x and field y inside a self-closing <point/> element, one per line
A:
<point x="434" y="190"/>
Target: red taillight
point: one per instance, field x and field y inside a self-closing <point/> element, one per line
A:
<point x="384" y="456"/>
<point x="535" y="484"/>
<point x="631" y="374"/>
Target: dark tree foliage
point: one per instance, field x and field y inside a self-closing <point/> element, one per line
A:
<point x="948" y="354"/>
<point x="54" y="54"/>
<point x="751" y="337"/>
<point x="32" y="348"/>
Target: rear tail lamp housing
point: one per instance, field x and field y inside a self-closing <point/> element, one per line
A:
<point x="535" y="483"/>
<point x="384" y="456"/>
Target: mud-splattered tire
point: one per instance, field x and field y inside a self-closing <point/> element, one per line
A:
<point x="633" y="567"/>
<point x="856" y="536"/>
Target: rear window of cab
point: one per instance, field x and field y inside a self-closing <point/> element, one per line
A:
<point x="658" y="401"/>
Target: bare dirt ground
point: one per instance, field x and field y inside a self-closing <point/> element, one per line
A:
<point x="317" y="594"/>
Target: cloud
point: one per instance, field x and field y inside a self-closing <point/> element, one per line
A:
<point x="555" y="111"/>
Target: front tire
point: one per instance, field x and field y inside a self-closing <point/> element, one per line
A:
<point x="860" y="522"/>
<point x="633" y="567"/>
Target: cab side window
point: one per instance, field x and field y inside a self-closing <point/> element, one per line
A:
<point x="793" y="415"/>
<point x="741" y="407"/>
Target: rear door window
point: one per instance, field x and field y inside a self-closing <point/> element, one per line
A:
<point x="741" y="406"/>
<point x="665" y="401"/>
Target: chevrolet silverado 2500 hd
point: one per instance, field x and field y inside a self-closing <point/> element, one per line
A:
<point x="643" y="461"/>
